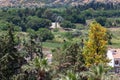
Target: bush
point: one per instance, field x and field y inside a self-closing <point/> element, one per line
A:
<point x="45" y="34"/>
<point x="36" y="23"/>
<point x="76" y="33"/>
<point x="80" y="26"/>
<point x="101" y="20"/>
<point x="109" y="23"/>
<point x="67" y="24"/>
<point x="56" y="30"/>
<point x="68" y="35"/>
<point x="4" y="26"/>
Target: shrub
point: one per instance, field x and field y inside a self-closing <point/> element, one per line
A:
<point x="45" y="34"/>
<point x="67" y="24"/>
<point x="56" y="30"/>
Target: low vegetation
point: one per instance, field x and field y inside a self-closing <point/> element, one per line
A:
<point x="76" y="50"/>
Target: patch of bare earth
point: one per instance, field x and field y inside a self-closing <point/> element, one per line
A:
<point x="113" y="29"/>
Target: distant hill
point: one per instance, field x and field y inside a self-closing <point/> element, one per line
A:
<point x="4" y="3"/>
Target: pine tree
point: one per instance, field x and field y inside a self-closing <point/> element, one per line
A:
<point x="10" y="60"/>
<point x="95" y="47"/>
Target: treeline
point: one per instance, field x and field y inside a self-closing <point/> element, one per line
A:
<point x="100" y="5"/>
<point x="76" y="15"/>
<point x="35" y="18"/>
<point x="25" y="18"/>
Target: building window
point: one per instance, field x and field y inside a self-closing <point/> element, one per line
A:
<point x="116" y="62"/>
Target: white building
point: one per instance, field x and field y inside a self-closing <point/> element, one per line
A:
<point x="55" y="25"/>
<point x="114" y="56"/>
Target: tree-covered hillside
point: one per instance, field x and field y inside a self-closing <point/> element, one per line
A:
<point x="53" y="3"/>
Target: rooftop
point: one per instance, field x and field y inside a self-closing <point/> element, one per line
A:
<point x="116" y="53"/>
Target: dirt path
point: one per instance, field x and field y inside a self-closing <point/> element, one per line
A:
<point x="113" y="29"/>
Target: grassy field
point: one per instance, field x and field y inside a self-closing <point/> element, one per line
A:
<point x="51" y="45"/>
<point x="59" y="36"/>
<point x="115" y="37"/>
<point x="115" y="43"/>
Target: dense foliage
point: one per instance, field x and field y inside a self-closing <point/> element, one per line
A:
<point x="10" y="59"/>
<point x="23" y="57"/>
<point x="36" y="18"/>
<point x="67" y="24"/>
<point x="45" y="34"/>
<point x="95" y="47"/>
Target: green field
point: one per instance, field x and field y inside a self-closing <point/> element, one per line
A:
<point x="51" y="45"/>
<point x="59" y="36"/>
<point x="115" y="37"/>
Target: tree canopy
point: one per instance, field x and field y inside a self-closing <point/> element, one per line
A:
<point x="95" y="47"/>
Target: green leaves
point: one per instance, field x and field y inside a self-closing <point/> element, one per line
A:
<point x="45" y="34"/>
<point x="35" y="23"/>
<point x="36" y="64"/>
<point x="39" y="67"/>
<point x="67" y="24"/>
<point x="95" y="72"/>
<point x="9" y="56"/>
<point x="70" y="76"/>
